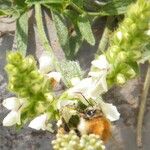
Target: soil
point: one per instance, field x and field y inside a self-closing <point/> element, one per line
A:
<point x="126" y="98"/>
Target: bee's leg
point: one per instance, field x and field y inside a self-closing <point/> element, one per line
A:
<point x="61" y="130"/>
<point x="77" y="132"/>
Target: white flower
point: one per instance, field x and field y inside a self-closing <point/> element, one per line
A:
<point x="15" y="105"/>
<point x="89" y="87"/>
<point x="75" y="81"/>
<point x="101" y="63"/>
<point x="11" y="103"/>
<point x="54" y="75"/>
<point x="12" y="118"/>
<point x="63" y="103"/>
<point x="40" y="122"/>
<point x="45" y="63"/>
<point x="110" y="111"/>
<point x="82" y="87"/>
<point x="98" y="87"/>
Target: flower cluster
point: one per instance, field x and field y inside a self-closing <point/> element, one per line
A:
<point x="128" y="42"/>
<point x="34" y="90"/>
<point x="71" y="141"/>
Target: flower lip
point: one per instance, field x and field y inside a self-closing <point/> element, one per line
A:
<point x="45" y="63"/>
<point x="11" y="103"/>
<point x="41" y="122"/>
<point x="110" y="111"/>
<point x="12" y="118"/>
<point x="101" y="63"/>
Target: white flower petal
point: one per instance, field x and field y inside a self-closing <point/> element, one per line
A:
<point x="119" y="35"/>
<point x="75" y="81"/>
<point x="97" y="87"/>
<point x="101" y="62"/>
<point x="11" y="103"/>
<point x="45" y="63"/>
<point x="12" y="118"/>
<point x="55" y="75"/>
<point x="63" y="103"/>
<point x="110" y="111"/>
<point x="95" y="74"/>
<point x="81" y="87"/>
<point x="39" y="122"/>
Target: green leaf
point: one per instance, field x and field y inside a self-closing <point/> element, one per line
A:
<point x="69" y="70"/>
<point x="85" y="29"/>
<point x="110" y="7"/>
<point x="22" y="33"/>
<point x="145" y="55"/>
<point x="79" y="3"/>
<point x="76" y="38"/>
<point x="62" y="32"/>
<point x="116" y="7"/>
<point x="75" y="44"/>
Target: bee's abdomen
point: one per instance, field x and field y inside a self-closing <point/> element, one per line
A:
<point x="100" y="126"/>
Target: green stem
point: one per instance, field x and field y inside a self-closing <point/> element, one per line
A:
<point x="88" y="13"/>
<point x="142" y="107"/>
<point x="77" y="8"/>
<point x="98" y="14"/>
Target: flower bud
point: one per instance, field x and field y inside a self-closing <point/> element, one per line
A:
<point x="120" y="78"/>
<point x="36" y="88"/>
<point x="14" y="58"/>
<point x="34" y="74"/>
<point x="30" y="62"/>
<point x="40" y="107"/>
<point x="122" y="56"/>
<point x="49" y="97"/>
<point x="119" y="35"/>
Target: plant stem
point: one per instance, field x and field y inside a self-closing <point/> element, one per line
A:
<point x="77" y="8"/>
<point x="98" y="13"/>
<point x="142" y="107"/>
<point x="88" y="13"/>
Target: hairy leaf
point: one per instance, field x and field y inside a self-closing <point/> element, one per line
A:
<point x="85" y="29"/>
<point x="76" y="38"/>
<point x="145" y="55"/>
<point x="62" y="32"/>
<point x="22" y="33"/>
<point x="110" y="7"/>
<point x="69" y="70"/>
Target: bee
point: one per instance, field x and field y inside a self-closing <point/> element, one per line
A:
<point x="90" y="121"/>
<point x="93" y="121"/>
